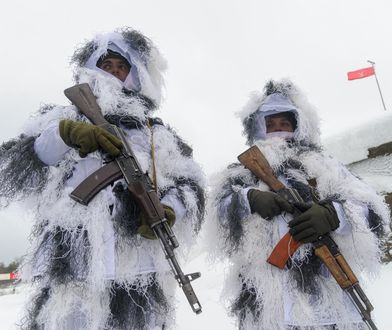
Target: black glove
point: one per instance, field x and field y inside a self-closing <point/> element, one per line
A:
<point x="317" y="220"/>
<point x="88" y="138"/>
<point x="144" y="229"/>
<point x="267" y="204"/>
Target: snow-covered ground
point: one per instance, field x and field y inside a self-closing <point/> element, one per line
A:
<point x="208" y="289"/>
<point x="214" y="316"/>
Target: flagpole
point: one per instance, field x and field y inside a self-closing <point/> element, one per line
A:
<point x="378" y="85"/>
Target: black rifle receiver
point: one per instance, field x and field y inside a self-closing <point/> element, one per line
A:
<point x="139" y="184"/>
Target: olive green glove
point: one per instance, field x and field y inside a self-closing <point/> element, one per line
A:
<point x="88" y="138"/>
<point x="317" y="220"/>
<point x="267" y="204"/>
<point x="145" y="231"/>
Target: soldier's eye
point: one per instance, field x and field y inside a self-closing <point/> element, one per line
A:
<point x="105" y="66"/>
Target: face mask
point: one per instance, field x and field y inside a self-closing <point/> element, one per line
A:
<point x="282" y="135"/>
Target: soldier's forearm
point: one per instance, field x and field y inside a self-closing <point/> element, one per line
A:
<point x="49" y="146"/>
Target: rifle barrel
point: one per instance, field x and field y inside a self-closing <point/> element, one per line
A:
<point x="362" y="304"/>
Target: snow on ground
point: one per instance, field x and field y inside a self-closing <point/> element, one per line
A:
<point x="11" y="305"/>
<point x="215" y="317"/>
<point x="380" y="294"/>
<point x="208" y="289"/>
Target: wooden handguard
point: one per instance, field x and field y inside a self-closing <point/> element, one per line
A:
<point x="347" y="269"/>
<point x="84" y="99"/>
<point x="329" y="260"/>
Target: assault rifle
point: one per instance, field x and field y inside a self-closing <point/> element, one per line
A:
<point x="139" y="185"/>
<point x="324" y="247"/>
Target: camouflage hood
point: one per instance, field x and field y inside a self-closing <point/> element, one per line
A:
<point x="280" y="96"/>
<point x="147" y="65"/>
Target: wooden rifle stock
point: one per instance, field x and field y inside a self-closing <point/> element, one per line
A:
<point x="255" y="162"/>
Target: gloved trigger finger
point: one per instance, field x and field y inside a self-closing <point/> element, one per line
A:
<point x="86" y="146"/>
<point x="108" y="146"/>
<point x="302" y="218"/>
<point x="114" y="140"/>
<point x="308" y="235"/>
<point x="302" y="226"/>
<point x="285" y="205"/>
<point x="307" y="239"/>
<point x="169" y="214"/>
<point x="303" y="206"/>
<point x="82" y="154"/>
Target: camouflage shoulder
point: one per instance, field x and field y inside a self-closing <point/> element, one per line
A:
<point x="185" y="148"/>
<point x="22" y="172"/>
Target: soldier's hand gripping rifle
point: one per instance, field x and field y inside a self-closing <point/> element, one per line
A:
<point x="324" y="247"/>
<point x="139" y="184"/>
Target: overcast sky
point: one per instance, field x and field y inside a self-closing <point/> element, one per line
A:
<point x="218" y="52"/>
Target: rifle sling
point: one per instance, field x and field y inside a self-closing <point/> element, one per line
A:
<point x="154" y="170"/>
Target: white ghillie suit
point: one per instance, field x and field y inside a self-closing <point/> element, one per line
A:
<point x="305" y="296"/>
<point x="90" y="268"/>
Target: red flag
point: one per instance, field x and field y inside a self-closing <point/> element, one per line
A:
<point x="14" y="276"/>
<point x="361" y="73"/>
